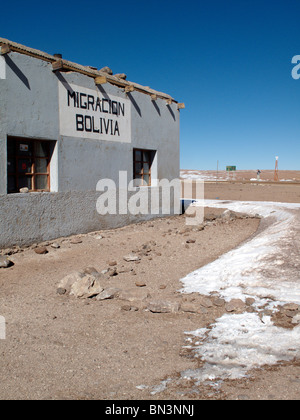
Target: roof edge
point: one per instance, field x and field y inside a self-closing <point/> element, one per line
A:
<point x="71" y="66"/>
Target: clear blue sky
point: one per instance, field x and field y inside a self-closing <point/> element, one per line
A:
<point x="229" y="61"/>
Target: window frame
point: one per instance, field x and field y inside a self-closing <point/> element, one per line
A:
<point x="32" y="162"/>
<point x="141" y="175"/>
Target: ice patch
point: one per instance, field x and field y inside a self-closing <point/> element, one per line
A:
<point x="240" y="342"/>
<point x="261" y="269"/>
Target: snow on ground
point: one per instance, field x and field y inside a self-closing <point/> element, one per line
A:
<point x="203" y="176"/>
<point x="265" y="268"/>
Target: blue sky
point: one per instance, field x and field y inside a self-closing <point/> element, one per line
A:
<point x="229" y="61"/>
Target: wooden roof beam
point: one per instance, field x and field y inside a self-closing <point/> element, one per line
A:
<point x="57" y="65"/>
<point x="5" y="49"/>
<point x="181" y="106"/>
<point x="129" y="88"/>
<point x="100" y="80"/>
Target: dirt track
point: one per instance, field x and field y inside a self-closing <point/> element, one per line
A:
<point x="60" y="347"/>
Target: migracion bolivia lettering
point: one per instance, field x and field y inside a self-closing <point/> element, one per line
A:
<point x="87" y="113"/>
<point x="102" y="105"/>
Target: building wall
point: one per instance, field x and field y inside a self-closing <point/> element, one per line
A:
<point x="30" y="108"/>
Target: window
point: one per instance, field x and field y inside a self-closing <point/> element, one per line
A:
<point x="142" y="161"/>
<point x="28" y="164"/>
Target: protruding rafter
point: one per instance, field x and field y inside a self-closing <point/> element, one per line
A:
<point x="5" y="49"/>
<point x="129" y="89"/>
<point x="100" y="80"/>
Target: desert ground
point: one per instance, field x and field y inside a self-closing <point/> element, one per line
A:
<point x="242" y="175"/>
<point x="126" y="340"/>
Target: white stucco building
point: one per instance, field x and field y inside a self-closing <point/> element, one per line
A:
<point x="63" y="128"/>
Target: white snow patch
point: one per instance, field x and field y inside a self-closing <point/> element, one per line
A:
<point x="240" y="272"/>
<point x="259" y="269"/>
<point x="240" y="342"/>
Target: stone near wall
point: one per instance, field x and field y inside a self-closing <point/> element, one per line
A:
<point x="86" y="287"/>
<point x="41" y="250"/>
<point x="75" y="241"/>
<point x="109" y="293"/>
<point x="5" y="262"/>
<point x="67" y="282"/>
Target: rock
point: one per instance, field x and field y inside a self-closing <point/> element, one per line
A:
<point x="184" y="230"/>
<point x="210" y="217"/>
<point x="132" y="295"/>
<point x="199" y="228"/>
<point x="68" y="281"/>
<point x="24" y="190"/>
<point x="75" y="241"/>
<point x="112" y="272"/>
<point x="41" y="250"/>
<point x="218" y="302"/>
<point x="61" y="291"/>
<point x="131" y="257"/>
<point x="206" y="302"/>
<point x="162" y="306"/>
<point x="126" y="308"/>
<point x="5" y="262"/>
<point x="91" y="270"/>
<point x="140" y="283"/>
<point x="280" y="319"/>
<point x="235" y="305"/>
<point x="108" y="293"/>
<point x="250" y="301"/>
<point x="291" y="307"/>
<point x="296" y="319"/>
<point x="55" y="245"/>
<point x="189" y="307"/>
<point x="123" y="270"/>
<point x="190" y="241"/>
<point x="228" y="215"/>
<point x="290" y="314"/>
<point x="86" y="287"/>
<point x="112" y="263"/>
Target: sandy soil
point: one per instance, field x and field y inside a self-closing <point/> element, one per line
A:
<point x="62" y="347"/>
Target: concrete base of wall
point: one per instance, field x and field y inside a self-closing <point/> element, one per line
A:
<point x="38" y="217"/>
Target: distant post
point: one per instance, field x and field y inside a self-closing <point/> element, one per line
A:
<point x="276" y="177"/>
